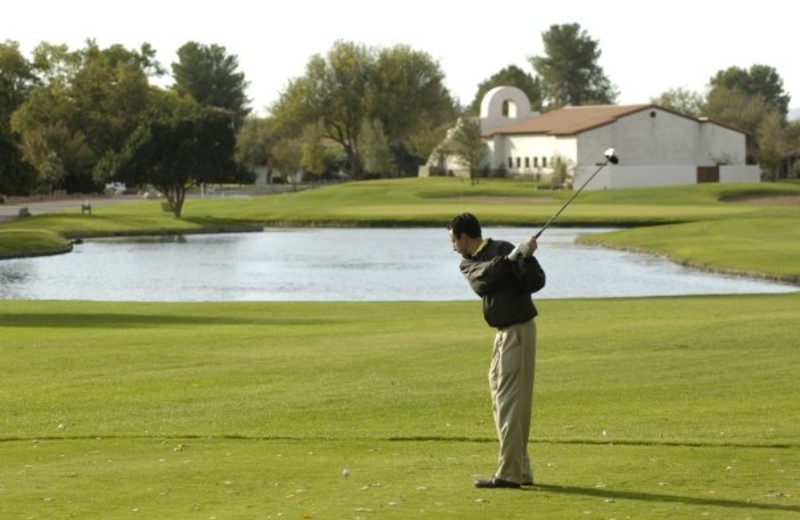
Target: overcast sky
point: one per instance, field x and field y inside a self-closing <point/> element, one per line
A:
<point x="647" y="48"/>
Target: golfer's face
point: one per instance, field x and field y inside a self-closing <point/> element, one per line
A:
<point x="459" y="243"/>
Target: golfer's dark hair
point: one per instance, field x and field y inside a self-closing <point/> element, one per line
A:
<point x="465" y="223"/>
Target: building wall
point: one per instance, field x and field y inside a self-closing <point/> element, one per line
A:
<point x="659" y="148"/>
<point x="739" y="173"/>
<point x="620" y="176"/>
<point x="530" y="154"/>
<point x="656" y="137"/>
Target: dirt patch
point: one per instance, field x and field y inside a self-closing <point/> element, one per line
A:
<point x="766" y="200"/>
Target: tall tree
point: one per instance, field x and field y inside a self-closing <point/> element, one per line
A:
<point x="399" y="87"/>
<point x="681" y="100"/>
<point x="772" y="145"/>
<point x="111" y="90"/>
<point x="759" y="80"/>
<point x="17" y="79"/>
<point x="466" y="144"/>
<point x="375" y="149"/>
<point x="511" y="76"/>
<point x="56" y="151"/>
<point x="17" y="176"/>
<point x="287" y="156"/>
<point x="254" y="142"/>
<point x="405" y="88"/>
<point x="407" y="92"/>
<point x="94" y="95"/>
<point x="333" y="92"/>
<point x="569" y="71"/>
<point x="186" y="146"/>
<point x="741" y="110"/>
<point x="210" y="75"/>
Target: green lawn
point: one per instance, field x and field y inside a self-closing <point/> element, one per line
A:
<point x="645" y="408"/>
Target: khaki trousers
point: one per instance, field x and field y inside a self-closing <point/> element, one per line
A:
<point x="511" y="387"/>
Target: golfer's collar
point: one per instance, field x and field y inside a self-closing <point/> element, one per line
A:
<point x="480" y="248"/>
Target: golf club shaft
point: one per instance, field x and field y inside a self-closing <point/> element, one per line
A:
<point x="563" y="206"/>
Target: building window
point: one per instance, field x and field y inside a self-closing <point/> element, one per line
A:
<point x="518" y="162"/>
<point x="510" y="162"/>
<point x="527" y="162"/>
<point x="535" y="162"/>
<point x="544" y="162"/>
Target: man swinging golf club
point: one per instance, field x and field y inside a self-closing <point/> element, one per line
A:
<point x="505" y="277"/>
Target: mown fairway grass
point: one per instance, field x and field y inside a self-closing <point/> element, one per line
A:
<point x="645" y="408"/>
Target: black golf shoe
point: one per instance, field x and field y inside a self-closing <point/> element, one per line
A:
<point x="495" y="482"/>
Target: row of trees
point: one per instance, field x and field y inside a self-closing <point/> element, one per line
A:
<point x="371" y="111"/>
<point x="358" y="109"/>
<point x="72" y="120"/>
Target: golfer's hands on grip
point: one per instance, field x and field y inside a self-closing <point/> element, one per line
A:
<point x="523" y="250"/>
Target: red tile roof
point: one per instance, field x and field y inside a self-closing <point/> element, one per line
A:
<point x="570" y="120"/>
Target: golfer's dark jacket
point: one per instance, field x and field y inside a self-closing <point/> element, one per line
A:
<point x="505" y="286"/>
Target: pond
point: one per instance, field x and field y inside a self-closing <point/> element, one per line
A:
<point x="333" y="264"/>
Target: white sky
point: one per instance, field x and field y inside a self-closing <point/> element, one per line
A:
<point x="647" y="47"/>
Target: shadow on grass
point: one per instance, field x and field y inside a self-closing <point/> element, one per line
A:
<point x="656" y="497"/>
<point x="125" y="320"/>
<point x="619" y="442"/>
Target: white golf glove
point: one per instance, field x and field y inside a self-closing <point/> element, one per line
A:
<point x="520" y="251"/>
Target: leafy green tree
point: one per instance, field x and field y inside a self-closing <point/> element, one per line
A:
<point x="406" y="93"/>
<point x="254" y="142"/>
<point x="563" y="171"/>
<point x="17" y="79"/>
<point x="98" y="94"/>
<point x="466" y="144"/>
<point x="56" y="151"/>
<point x="378" y="157"/>
<point x="762" y="81"/>
<point x="772" y="146"/>
<point x="174" y="151"/>
<point x="792" y="141"/>
<point x="287" y="156"/>
<point x="210" y="75"/>
<point x="401" y="88"/>
<point x="681" y="100"/>
<point x="406" y="87"/>
<point x="511" y="76"/>
<point x="333" y="93"/>
<point x="315" y="155"/>
<point x="569" y="71"/>
<point x="17" y="176"/>
<point x="111" y="90"/>
<point x="740" y="110"/>
<point x="428" y="137"/>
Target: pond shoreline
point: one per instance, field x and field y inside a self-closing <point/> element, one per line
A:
<point x="339" y="264"/>
<point x="301" y="224"/>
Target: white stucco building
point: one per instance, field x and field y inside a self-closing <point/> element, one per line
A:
<point x="655" y="146"/>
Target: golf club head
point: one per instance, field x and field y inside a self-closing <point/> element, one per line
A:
<point x="611" y="156"/>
